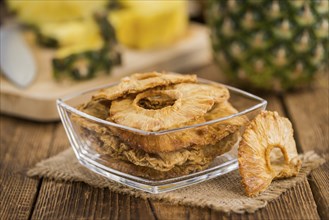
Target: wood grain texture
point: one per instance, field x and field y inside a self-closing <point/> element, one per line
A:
<point x="310" y="115"/>
<point x="23" y="143"/>
<point x="17" y="195"/>
<point x="59" y="200"/>
<point x="296" y="203"/>
<point x="309" y="112"/>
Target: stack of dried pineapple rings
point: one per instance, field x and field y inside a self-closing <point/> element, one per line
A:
<point x="155" y="102"/>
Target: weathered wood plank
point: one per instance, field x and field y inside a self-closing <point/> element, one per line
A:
<point x="319" y="180"/>
<point x="23" y="143"/>
<point x="309" y="112"/>
<point x="168" y="211"/>
<point x="17" y="195"/>
<point x="296" y="203"/>
<point x="59" y="200"/>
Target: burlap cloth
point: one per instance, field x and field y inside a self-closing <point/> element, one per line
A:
<point x="224" y="193"/>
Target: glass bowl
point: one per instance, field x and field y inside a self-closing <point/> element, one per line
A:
<point x="93" y="152"/>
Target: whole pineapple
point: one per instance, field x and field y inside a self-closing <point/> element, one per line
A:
<point x="270" y="44"/>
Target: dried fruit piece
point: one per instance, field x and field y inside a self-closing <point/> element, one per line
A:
<point x="257" y="165"/>
<point x="166" y="142"/>
<point x="204" y="135"/>
<point x="165" y="165"/>
<point x="97" y="109"/>
<point x="158" y="109"/>
<point x="220" y="110"/>
<point x="193" y="158"/>
<point x="216" y="92"/>
<point x="140" y="82"/>
<point x="201" y="136"/>
<point x="200" y="156"/>
<point x="189" y="102"/>
<point x="219" y="130"/>
<point x="179" y="170"/>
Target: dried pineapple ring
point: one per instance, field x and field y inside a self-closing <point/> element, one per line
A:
<point x="216" y="92"/>
<point x="200" y="136"/>
<point x="166" y="142"/>
<point x="189" y="102"/>
<point x="140" y="82"/>
<point x="223" y="109"/>
<point x="97" y="109"/>
<point x="257" y="166"/>
<point x="217" y="131"/>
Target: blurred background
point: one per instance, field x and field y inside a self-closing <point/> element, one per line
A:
<point x="268" y="45"/>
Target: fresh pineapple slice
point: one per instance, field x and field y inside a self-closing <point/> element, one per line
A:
<point x="73" y="32"/>
<point x="84" y="47"/>
<point x="37" y="12"/>
<point x="149" y="24"/>
<point x="265" y="139"/>
<point x="84" y="65"/>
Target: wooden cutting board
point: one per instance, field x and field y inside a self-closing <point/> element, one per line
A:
<point x="38" y="101"/>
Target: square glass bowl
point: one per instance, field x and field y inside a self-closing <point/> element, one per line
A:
<point x="89" y="145"/>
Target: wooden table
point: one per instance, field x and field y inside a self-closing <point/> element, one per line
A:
<point x="24" y="143"/>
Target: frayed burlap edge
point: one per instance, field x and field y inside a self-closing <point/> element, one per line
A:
<point x="310" y="161"/>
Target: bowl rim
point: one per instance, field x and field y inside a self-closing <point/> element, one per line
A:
<point x="61" y="102"/>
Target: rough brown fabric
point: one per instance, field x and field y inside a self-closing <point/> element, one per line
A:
<point x="224" y="193"/>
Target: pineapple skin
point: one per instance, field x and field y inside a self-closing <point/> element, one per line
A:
<point x="269" y="44"/>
